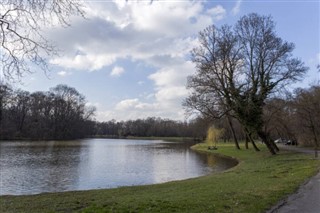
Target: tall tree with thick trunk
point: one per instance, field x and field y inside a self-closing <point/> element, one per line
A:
<point x="242" y="65"/>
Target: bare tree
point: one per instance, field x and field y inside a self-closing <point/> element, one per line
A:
<point x="5" y="96"/>
<point x="60" y="113"/>
<point x="307" y="105"/>
<point x="243" y="66"/>
<point x="21" y="32"/>
<point x="318" y="68"/>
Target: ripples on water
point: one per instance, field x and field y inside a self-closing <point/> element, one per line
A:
<point x="54" y="166"/>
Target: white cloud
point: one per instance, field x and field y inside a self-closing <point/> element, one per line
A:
<point x="217" y="12"/>
<point x="136" y="29"/>
<point x="117" y="71"/>
<point x="171" y="82"/>
<point x="106" y="115"/>
<point x="171" y="93"/>
<point x="89" y="62"/>
<point x="236" y="9"/>
<point x="169" y="89"/>
<point x="91" y="104"/>
<point x="127" y="104"/>
<point x="159" y="35"/>
<point x="165" y="102"/>
<point x="314" y="61"/>
<point x="168" y="18"/>
<point x="135" y="108"/>
<point x="63" y="73"/>
<point x="172" y="75"/>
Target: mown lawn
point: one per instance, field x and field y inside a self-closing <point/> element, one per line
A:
<point x="255" y="185"/>
<point x="168" y="139"/>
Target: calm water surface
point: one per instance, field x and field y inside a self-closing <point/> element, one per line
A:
<point x="37" y="167"/>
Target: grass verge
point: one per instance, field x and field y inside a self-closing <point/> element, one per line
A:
<point x="168" y="139"/>
<point x="255" y="185"/>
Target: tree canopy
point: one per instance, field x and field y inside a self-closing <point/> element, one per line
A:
<point x="60" y="113"/>
<point x="238" y="67"/>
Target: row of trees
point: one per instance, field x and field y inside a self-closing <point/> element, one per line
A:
<point x="60" y="113"/>
<point x="153" y="127"/>
<point x="239" y="70"/>
<point x="297" y="117"/>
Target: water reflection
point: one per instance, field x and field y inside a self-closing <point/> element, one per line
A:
<point x="36" y="167"/>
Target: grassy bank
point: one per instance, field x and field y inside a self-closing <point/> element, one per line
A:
<point x="256" y="184"/>
<point x="169" y="139"/>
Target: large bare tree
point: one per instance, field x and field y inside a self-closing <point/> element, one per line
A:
<point x="238" y="68"/>
<point x="22" y="40"/>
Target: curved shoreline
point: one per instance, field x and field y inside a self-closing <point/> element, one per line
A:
<point x="220" y="155"/>
<point x="198" y="164"/>
<point x="256" y="184"/>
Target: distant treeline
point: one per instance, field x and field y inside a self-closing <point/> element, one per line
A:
<point x="152" y="127"/>
<point x="60" y="113"/>
<point x="295" y="117"/>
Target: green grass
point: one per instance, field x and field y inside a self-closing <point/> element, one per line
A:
<point x="255" y="185"/>
<point x="169" y="139"/>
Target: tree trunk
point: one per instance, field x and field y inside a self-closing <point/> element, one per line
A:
<point x="265" y="139"/>
<point x="233" y="132"/>
<point x="21" y="122"/>
<point x="252" y="141"/>
<point x="247" y="141"/>
<point x="274" y="145"/>
<point x="315" y="139"/>
<point x="255" y="146"/>
<point x="315" y="147"/>
<point x="0" y="117"/>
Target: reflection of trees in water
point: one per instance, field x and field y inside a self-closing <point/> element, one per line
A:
<point x="40" y="166"/>
<point x="36" y="167"/>
<point x="219" y="163"/>
<point x="62" y="166"/>
<point x="211" y="160"/>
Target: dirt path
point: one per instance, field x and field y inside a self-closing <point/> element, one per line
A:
<point x="306" y="199"/>
<point x="297" y="149"/>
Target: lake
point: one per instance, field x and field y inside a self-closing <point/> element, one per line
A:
<point x="55" y="166"/>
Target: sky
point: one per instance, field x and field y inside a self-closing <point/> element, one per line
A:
<point x="131" y="59"/>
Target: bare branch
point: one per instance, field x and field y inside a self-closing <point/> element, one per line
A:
<point x="21" y="36"/>
<point x="238" y="68"/>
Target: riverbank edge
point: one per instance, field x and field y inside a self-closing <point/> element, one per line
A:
<point x="237" y="161"/>
<point x="166" y="139"/>
<point x="21" y="200"/>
